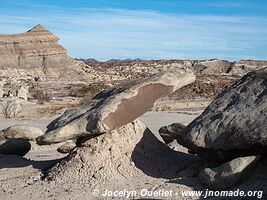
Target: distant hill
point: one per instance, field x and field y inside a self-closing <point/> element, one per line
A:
<point x="36" y="53"/>
<point x="92" y="60"/>
<point x="88" y="60"/>
<point x="124" y="60"/>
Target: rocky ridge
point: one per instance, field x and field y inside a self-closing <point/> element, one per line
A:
<point x="36" y="53"/>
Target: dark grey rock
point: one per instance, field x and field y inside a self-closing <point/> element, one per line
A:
<point x="170" y="132"/>
<point x="234" y="124"/>
<point x="229" y="173"/>
<point x="15" y="146"/>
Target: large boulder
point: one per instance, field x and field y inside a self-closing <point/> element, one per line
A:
<point x="234" y="124"/>
<point x="227" y="174"/>
<point x="115" y="107"/>
<point x="14" y="146"/>
<point x="22" y="131"/>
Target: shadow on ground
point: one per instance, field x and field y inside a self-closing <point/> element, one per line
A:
<point x="14" y="161"/>
<point x="157" y="160"/>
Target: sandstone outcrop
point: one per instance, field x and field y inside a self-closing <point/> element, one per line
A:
<point x="234" y="124"/>
<point x="117" y="106"/>
<point x="36" y="53"/>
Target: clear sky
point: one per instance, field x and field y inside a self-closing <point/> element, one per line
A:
<point x="147" y="29"/>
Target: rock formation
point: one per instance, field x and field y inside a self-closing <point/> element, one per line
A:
<point x="14" y="146"/>
<point x="234" y="124"/>
<point x="116" y="106"/>
<point x="128" y="148"/>
<point x="242" y="67"/>
<point x="112" y="159"/>
<point x="36" y="53"/>
<point x="1" y="89"/>
<point x="211" y="67"/>
<point x="170" y="132"/>
<point x="67" y="146"/>
<point x="229" y="173"/>
<point x="23" y="92"/>
<point x="22" y="131"/>
<point x="15" y="139"/>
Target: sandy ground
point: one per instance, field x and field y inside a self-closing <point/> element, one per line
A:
<point x="20" y="178"/>
<point x="155" y="120"/>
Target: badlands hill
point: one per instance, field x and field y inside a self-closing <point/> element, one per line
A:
<point x="36" y="59"/>
<point x="36" y="53"/>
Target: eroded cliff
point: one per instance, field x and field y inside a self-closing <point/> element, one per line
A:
<point x="36" y="53"/>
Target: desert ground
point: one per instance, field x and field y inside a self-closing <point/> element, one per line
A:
<point x="22" y="177"/>
<point x="128" y="129"/>
<point x="14" y="169"/>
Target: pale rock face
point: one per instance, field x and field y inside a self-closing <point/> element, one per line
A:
<point x="227" y="174"/>
<point x="211" y="66"/>
<point x="22" y="131"/>
<point x="169" y="133"/>
<point x="23" y="92"/>
<point x="243" y="67"/>
<point x="1" y="89"/>
<point x="126" y="152"/>
<point x="36" y="53"/>
<point x="116" y="106"/>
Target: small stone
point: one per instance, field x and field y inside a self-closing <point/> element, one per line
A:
<point x="67" y="146"/>
<point x="169" y="133"/>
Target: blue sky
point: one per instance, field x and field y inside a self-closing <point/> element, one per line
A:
<point x="148" y="29"/>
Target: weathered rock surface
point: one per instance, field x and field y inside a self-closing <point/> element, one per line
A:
<point x="22" y="131"/>
<point x="14" y="146"/>
<point x="116" y="106"/>
<point x="213" y="66"/>
<point x="36" y="53"/>
<point x="1" y="89"/>
<point x="68" y="116"/>
<point x="227" y="174"/>
<point x="243" y="67"/>
<point x="67" y="147"/>
<point x="234" y="124"/>
<point x="170" y="132"/>
<point x="23" y="92"/>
